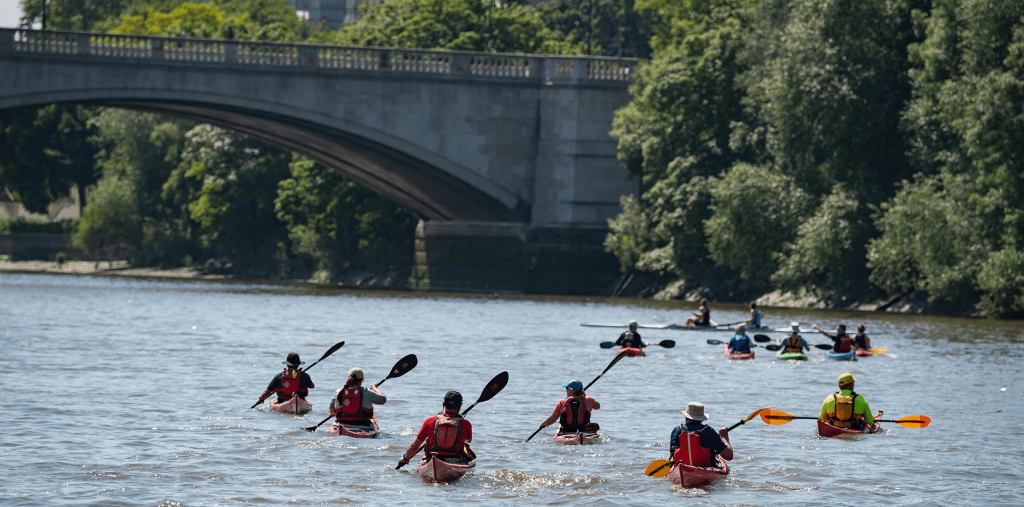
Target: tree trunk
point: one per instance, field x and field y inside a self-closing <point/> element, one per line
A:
<point x="81" y="197"/>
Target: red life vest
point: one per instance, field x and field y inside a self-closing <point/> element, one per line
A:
<point x="690" y="451"/>
<point x="574" y="414"/>
<point x="845" y="343"/>
<point x="289" y="383"/>
<point x="447" y="438"/>
<point x="350" y="403"/>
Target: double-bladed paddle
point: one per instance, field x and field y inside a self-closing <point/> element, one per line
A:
<point x="663" y="343"/>
<point x="821" y="346"/>
<point x="493" y="387"/>
<point x="778" y="418"/>
<point x="617" y="359"/>
<point x="760" y="338"/>
<point x="403" y="366"/>
<point x="661" y="468"/>
<point x="326" y="354"/>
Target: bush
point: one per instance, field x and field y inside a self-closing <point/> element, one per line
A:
<point x="1001" y="280"/>
<point x="67" y="226"/>
<point x="112" y="221"/>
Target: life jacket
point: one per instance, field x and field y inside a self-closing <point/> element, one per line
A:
<point x="447" y="439"/>
<point x="575" y="415"/>
<point x="350" y="403"/>
<point x="845" y="343"/>
<point x="843" y="415"/>
<point x="862" y="341"/>
<point x="793" y="344"/>
<point x="757" y="319"/>
<point x="741" y="348"/>
<point x="289" y="383"/>
<point x="690" y="451"/>
<point x="705" y="317"/>
<point x="631" y="340"/>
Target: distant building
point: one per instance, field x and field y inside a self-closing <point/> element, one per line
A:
<point x="61" y="209"/>
<point x="334" y="13"/>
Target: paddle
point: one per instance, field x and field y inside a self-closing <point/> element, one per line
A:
<point x="663" y="343"/>
<point x="617" y="359"/>
<point x="403" y="366"/>
<point x="328" y="353"/>
<point x="878" y="351"/>
<point x="656" y="466"/>
<point x="493" y="387"/>
<point x="760" y="338"/>
<point x="778" y="418"/>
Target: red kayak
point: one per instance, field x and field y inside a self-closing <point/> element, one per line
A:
<point x="583" y="437"/>
<point x="827" y="430"/>
<point x="738" y="355"/>
<point x="293" y="405"/>
<point x="864" y="353"/>
<point x="693" y="477"/>
<point x="436" y="469"/>
<point x="354" y="431"/>
<point x="632" y="352"/>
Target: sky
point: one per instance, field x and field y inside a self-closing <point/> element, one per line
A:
<point x="10" y="13"/>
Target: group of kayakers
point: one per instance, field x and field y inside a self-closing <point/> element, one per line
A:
<point x="794" y="343"/>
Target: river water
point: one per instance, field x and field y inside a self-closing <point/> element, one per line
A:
<point x="138" y="392"/>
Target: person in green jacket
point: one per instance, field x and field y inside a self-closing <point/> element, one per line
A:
<point x="846" y="409"/>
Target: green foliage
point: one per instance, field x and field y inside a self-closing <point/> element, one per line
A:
<point x="230" y="19"/>
<point x="70" y="14"/>
<point x="451" y="24"/>
<point x="1001" y="281"/>
<point x="630" y="234"/>
<point x="60" y="259"/>
<point x="601" y="27"/>
<point x="66" y="226"/>
<point x="756" y="211"/>
<point x="113" y="222"/>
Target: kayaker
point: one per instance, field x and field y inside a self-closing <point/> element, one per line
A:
<point x="695" y="443"/>
<point x="446" y="435"/>
<point x="701" y="317"/>
<point x="794" y="342"/>
<point x="755" y="316"/>
<point x="861" y="340"/>
<point x="289" y="382"/>
<point x="573" y="411"/>
<point x="841" y="342"/>
<point x="846" y="409"/>
<point x="354" y="405"/>
<point x="740" y="342"/>
<point x="630" y="338"/>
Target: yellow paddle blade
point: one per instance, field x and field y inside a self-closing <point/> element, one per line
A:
<point x="658" y="468"/>
<point x="756" y="413"/>
<point x="776" y="417"/>
<point x="914" y="421"/>
<point x="879" y="351"/>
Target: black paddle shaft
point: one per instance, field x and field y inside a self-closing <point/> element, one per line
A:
<point x="617" y="359"/>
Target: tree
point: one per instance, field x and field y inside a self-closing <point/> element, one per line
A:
<point x="70" y="14"/>
<point x="602" y="27"/>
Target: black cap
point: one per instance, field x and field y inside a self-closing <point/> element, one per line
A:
<point x="452" y="399"/>
<point x="293" y="360"/>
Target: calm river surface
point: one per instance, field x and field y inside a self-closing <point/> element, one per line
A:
<point x="138" y="393"/>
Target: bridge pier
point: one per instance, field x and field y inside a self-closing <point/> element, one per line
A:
<point x="510" y="257"/>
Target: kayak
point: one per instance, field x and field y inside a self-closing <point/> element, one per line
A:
<point x="583" y="437"/>
<point x="631" y="352"/>
<point x="791" y="356"/>
<point x="293" y="405"/>
<point x="827" y="430"/>
<point x="692" y="477"/>
<point x="738" y="355"/>
<point x="354" y="430"/>
<point x="435" y="469"/>
<point x="842" y="356"/>
<point x="864" y="353"/>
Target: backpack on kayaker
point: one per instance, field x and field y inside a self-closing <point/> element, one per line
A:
<point x="447" y="441"/>
<point x="843" y="414"/>
<point x="575" y="417"/>
<point x="690" y="452"/>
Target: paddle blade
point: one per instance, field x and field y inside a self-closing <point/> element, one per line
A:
<point x="667" y="343"/>
<point x="760" y="338"/>
<point x="914" y="421"/>
<point x="607" y="345"/>
<point x="658" y="468"/>
<point x="879" y="351"/>
<point x="403" y="366"/>
<point x="494" y="387"/>
<point x="776" y="417"/>
<point x="823" y="346"/>
<point x="756" y="413"/>
<point x="773" y="347"/>
<point x="331" y="350"/>
<point x="716" y="342"/>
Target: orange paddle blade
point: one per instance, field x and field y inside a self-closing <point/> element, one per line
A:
<point x="879" y="351"/>
<point x="914" y="421"/>
<point x="658" y="468"/>
<point x="776" y="417"/>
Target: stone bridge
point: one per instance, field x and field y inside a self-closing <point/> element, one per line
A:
<point x="506" y="157"/>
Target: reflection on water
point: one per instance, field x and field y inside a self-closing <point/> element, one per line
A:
<point x="137" y="393"/>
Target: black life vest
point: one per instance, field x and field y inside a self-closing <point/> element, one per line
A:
<point x="575" y="415"/>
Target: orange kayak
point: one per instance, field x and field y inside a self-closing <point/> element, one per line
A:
<point x="693" y="477"/>
<point x="435" y="469"/>
<point x="631" y="352"/>
<point x="738" y="355"/>
<point x="827" y="430"/>
<point x="293" y="405"/>
<point x="583" y="437"/>
<point x="354" y="431"/>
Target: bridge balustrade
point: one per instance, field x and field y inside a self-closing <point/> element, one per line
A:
<point x="305" y="56"/>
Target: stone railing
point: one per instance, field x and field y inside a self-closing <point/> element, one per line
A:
<point x="305" y="57"/>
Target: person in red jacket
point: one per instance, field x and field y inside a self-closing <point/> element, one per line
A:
<point x="290" y="382"/>
<point x="446" y="435"/>
<point x="841" y="342"/>
<point x="573" y="411"/>
<point x="695" y="443"/>
<point x="353" y="404"/>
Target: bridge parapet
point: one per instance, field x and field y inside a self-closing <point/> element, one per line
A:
<point x="550" y="69"/>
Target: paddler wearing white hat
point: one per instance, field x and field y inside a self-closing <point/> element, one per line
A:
<point x="694" y="443"/>
<point x="794" y="342"/>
